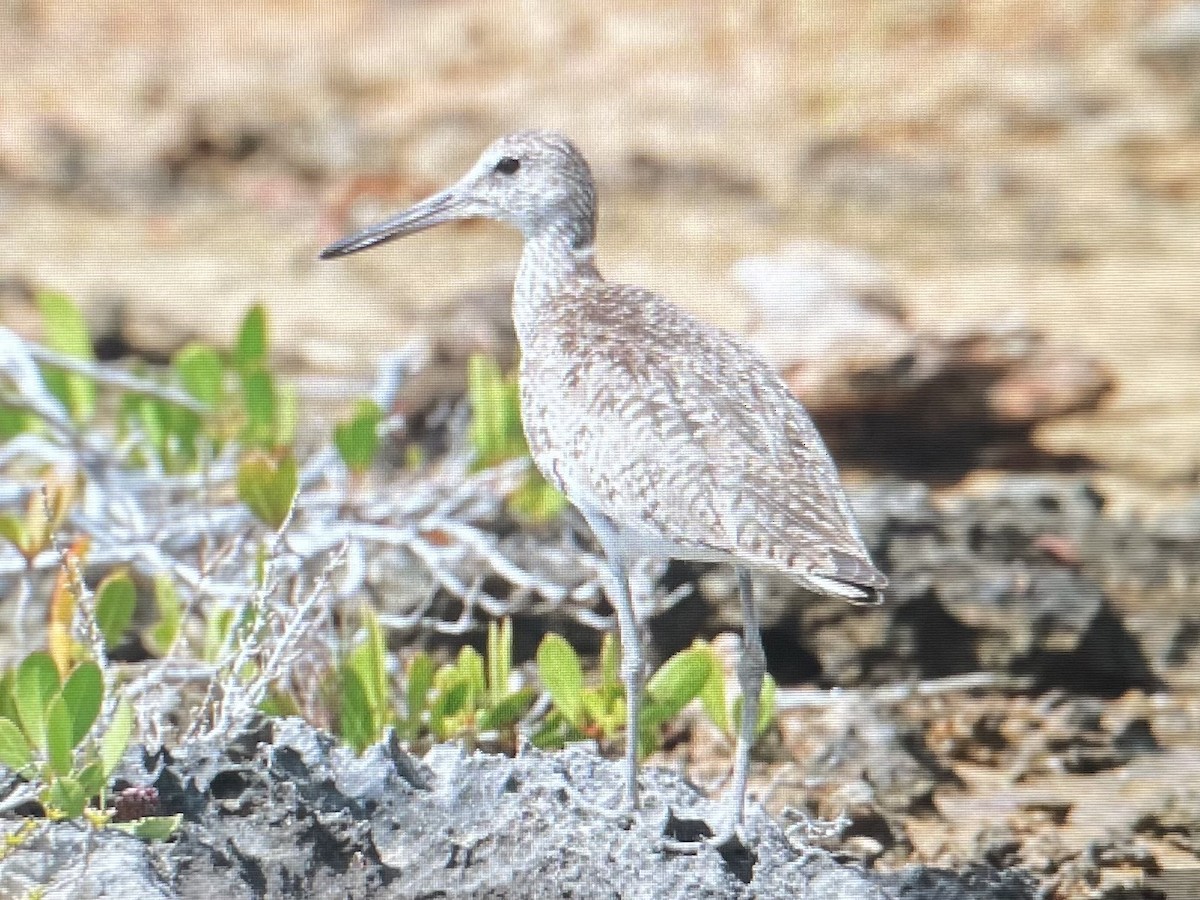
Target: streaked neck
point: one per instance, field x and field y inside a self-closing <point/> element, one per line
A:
<point x="552" y="257"/>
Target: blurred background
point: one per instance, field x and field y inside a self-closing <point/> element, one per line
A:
<point x="1014" y="171"/>
<point x="965" y="232"/>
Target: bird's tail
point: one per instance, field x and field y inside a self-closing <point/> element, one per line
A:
<point x="858" y="594"/>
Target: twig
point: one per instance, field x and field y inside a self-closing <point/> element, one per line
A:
<point x="789" y="698"/>
<point x="115" y="378"/>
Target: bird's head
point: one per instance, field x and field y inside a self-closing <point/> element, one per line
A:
<point x="536" y="181"/>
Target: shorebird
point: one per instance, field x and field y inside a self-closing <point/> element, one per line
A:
<point x="674" y="439"/>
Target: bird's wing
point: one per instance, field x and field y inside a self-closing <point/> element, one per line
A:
<point x="666" y="424"/>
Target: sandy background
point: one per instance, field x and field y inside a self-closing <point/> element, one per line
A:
<point x="168" y="164"/>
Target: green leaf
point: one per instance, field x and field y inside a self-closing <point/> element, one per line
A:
<point x="116" y="600"/>
<point x="357" y="719"/>
<point x="82" y="692"/>
<point x="63" y="326"/>
<point x="268" y="486"/>
<point x="484" y="398"/>
<point x="259" y="400"/>
<point x="15" y="421"/>
<point x="152" y="414"/>
<point x="766" y="707"/>
<point x="712" y="698"/>
<point x="596" y="708"/>
<point x="59" y="746"/>
<point x="116" y="738"/>
<point x="278" y="705"/>
<point x="610" y="661"/>
<point x="287" y="415"/>
<point x="14" y="749"/>
<point x="357" y="440"/>
<point x="449" y="702"/>
<point x="92" y="779"/>
<point x="200" y="372"/>
<point x="470" y="671"/>
<point x="64" y="330"/>
<point x="495" y="429"/>
<point x="161" y="636"/>
<point x="561" y="675"/>
<point x="499" y="658"/>
<point x="507" y="711"/>
<point x="250" y="348"/>
<point x="555" y="732"/>
<point x="677" y="683"/>
<point x="419" y="679"/>
<point x="12" y="529"/>
<point x="8" y="698"/>
<point x="66" y="795"/>
<point x="151" y="828"/>
<point x="216" y="631"/>
<point x="37" y="684"/>
<point x="537" y="500"/>
<point x="183" y="428"/>
<point x="368" y="660"/>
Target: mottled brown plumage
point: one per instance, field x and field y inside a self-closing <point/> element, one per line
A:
<point x="682" y="436"/>
<point x="672" y="438"/>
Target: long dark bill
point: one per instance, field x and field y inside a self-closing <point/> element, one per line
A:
<point x="435" y="210"/>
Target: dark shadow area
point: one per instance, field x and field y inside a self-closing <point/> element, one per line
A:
<point x="896" y="445"/>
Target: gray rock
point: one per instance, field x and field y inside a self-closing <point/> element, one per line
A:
<point x="71" y="860"/>
<point x="832" y="321"/>
<point x="1032" y="580"/>
<point x="303" y="817"/>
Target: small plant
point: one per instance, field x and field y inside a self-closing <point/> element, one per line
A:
<point x="268" y="411"/>
<point x="205" y="400"/>
<point x="418" y="682"/>
<point x="162" y="634"/>
<point x="466" y="699"/>
<point x="64" y="330"/>
<point x="579" y="712"/>
<point x="234" y="397"/>
<point x="268" y="475"/>
<point x="31" y="533"/>
<point x="357" y="439"/>
<point x="45" y="728"/>
<point x="599" y="712"/>
<point x="366" y="707"/>
<point x="267" y="484"/>
<point x="496" y="435"/>
<point x="728" y="716"/>
<point x="472" y="695"/>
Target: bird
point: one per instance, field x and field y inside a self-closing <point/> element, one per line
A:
<point x="673" y="438"/>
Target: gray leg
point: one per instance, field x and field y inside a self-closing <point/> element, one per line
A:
<point x="633" y="669"/>
<point x="752" y="666"/>
<point x="633" y="664"/>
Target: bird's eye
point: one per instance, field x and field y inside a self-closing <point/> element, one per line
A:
<point x="508" y="165"/>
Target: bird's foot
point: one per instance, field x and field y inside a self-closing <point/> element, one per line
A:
<point x="687" y="836"/>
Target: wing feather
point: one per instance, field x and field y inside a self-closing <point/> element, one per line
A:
<point x="672" y="428"/>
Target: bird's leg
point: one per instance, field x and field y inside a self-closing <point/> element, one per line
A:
<point x="633" y="663"/>
<point x="752" y="666"/>
<point x="632" y="673"/>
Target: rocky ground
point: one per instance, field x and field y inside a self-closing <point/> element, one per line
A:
<point x="1020" y="719"/>
<point x="287" y="814"/>
<point x="1023" y="170"/>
